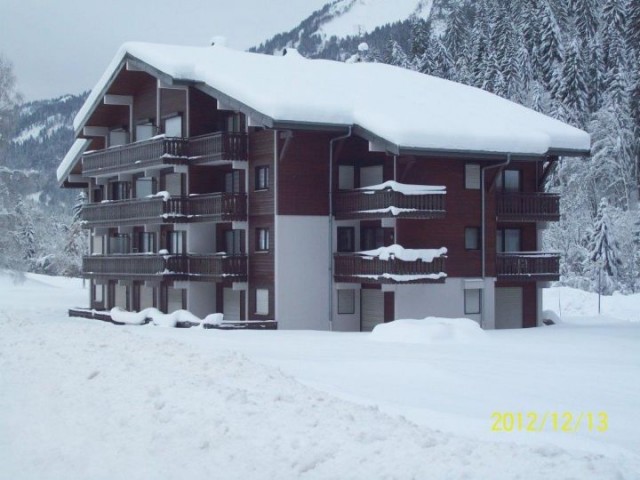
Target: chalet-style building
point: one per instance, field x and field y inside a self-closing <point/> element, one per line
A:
<point x="265" y="187"/>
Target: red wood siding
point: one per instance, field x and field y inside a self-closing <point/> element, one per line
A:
<point x="303" y="174"/>
<point x="261" y="215"/>
<point x="173" y="101"/>
<point x="463" y="210"/>
<point x="144" y="100"/>
<point x="203" y="110"/>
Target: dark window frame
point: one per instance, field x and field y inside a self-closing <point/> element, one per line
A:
<point x="500" y="184"/>
<point x="467" y="310"/>
<point x="341" y="239"/>
<point x="263" y="239"/>
<point x="501" y="238"/>
<point x="478" y="246"/>
<point x="261" y="182"/>
<point x="469" y="164"/>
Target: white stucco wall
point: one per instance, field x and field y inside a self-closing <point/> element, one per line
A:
<point x="201" y="297"/>
<point x="441" y="300"/>
<point x="302" y="272"/>
<point x="347" y="322"/>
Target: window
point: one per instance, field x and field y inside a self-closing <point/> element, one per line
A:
<point x="472" y="301"/>
<point x="262" y="301"/>
<point x="346" y="177"/>
<point x="472" y="238"/>
<point x="176" y="241"/>
<point x="346" y="302"/>
<point x="119" y="244"/>
<point x="509" y="181"/>
<point x="262" y="239"/>
<point x="232" y="182"/>
<point x="508" y="240"/>
<point x="98" y="293"/>
<point x="262" y="178"/>
<point x="119" y="190"/>
<point x="472" y="176"/>
<point x="371" y="238"/>
<point x="371" y="175"/>
<point x="234" y="242"/>
<point x="346" y="239"/>
<point x="234" y="122"/>
<point x="146" y="242"/>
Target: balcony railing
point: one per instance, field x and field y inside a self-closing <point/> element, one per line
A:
<point x="534" y="266"/>
<point x="358" y="269"/>
<point x="226" y="207"/>
<point x="162" y="150"/>
<point x="219" y="146"/>
<point x="528" y="207"/>
<point x="155" y="151"/>
<point x="144" y="266"/>
<point x="362" y="204"/>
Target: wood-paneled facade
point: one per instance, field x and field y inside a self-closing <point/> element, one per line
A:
<point x="197" y="219"/>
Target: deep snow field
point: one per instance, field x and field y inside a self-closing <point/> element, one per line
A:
<point x="83" y="399"/>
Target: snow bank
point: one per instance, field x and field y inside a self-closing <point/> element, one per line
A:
<point x="408" y="189"/>
<point x="406" y="254"/>
<point x="160" y="319"/>
<point x="575" y="306"/>
<point x="429" y="330"/>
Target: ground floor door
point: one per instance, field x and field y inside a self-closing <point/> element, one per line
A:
<point x="371" y="309"/>
<point x="509" y="307"/>
<point x="231" y="304"/>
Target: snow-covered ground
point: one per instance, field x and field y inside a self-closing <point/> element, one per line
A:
<point x="84" y="399"/>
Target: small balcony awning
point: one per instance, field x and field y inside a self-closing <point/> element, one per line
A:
<point x="66" y="167"/>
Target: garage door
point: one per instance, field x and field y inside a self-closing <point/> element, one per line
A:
<point x="231" y="304"/>
<point x="509" y="307"/>
<point x="372" y="308"/>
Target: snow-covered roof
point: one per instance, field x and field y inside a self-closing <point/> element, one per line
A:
<point x="402" y="109"/>
<point x="69" y="160"/>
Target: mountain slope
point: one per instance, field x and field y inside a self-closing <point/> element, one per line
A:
<point x="43" y="134"/>
<point x="343" y="19"/>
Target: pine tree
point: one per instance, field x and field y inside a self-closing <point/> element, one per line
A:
<point x="605" y="248"/>
<point x="573" y="92"/>
<point x="549" y="45"/>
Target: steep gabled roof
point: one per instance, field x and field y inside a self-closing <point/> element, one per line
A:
<point x="400" y="109"/>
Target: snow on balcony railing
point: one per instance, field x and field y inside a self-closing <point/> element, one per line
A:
<point x="391" y="264"/>
<point x="391" y="199"/>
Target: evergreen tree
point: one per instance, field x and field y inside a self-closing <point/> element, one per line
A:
<point x="605" y="248"/>
<point x="573" y="92"/>
<point x="549" y="45"/>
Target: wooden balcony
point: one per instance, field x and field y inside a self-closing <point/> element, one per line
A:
<point x="528" y="207"/>
<point x="221" y="146"/>
<point x="176" y="267"/>
<point x="353" y="268"/>
<point x="166" y="151"/>
<point x="528" y="266"/>
<point x="364" y="204"/>
<point x="156" y="151"/>
<point x="214" y="207"/>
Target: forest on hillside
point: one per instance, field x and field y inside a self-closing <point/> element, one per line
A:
<point x="575" y="60"/>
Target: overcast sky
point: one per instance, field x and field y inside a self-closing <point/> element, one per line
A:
<point x="63" y="46"/>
